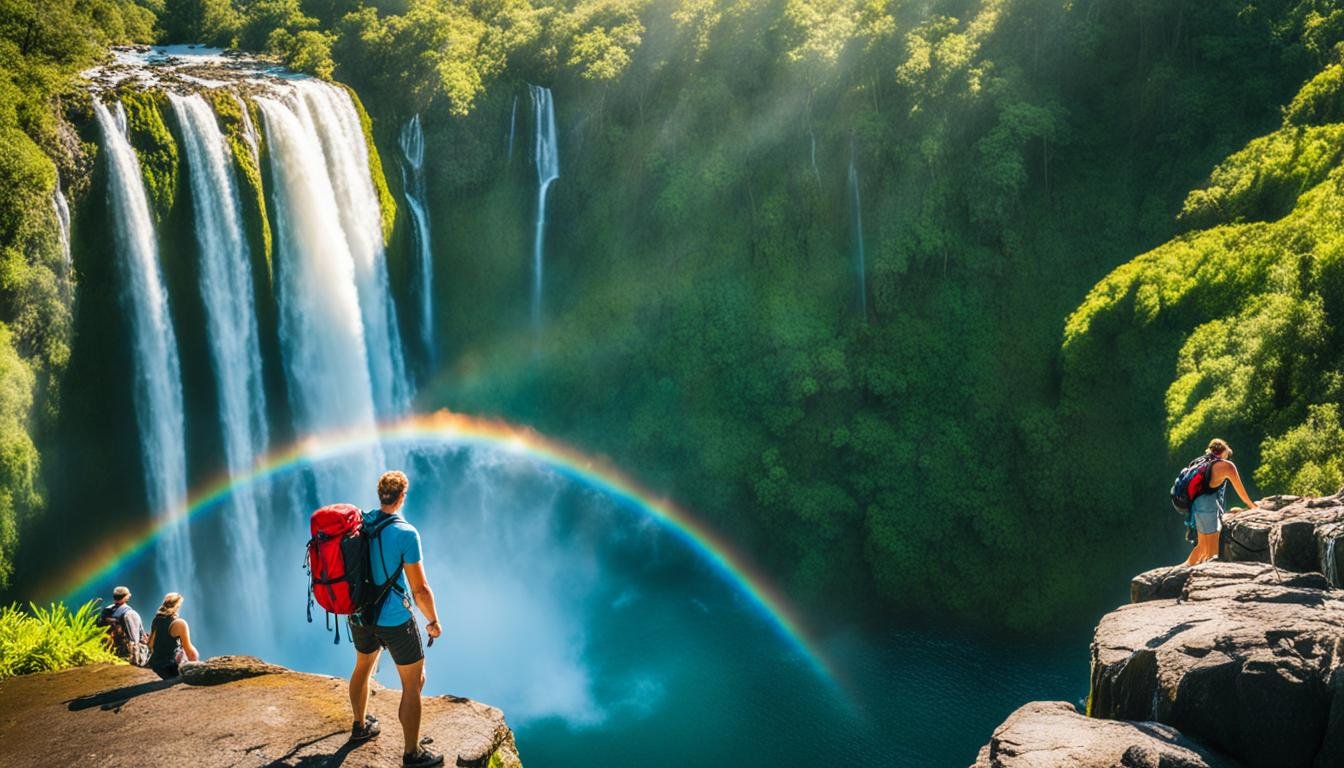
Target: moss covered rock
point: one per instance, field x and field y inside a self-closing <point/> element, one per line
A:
<point x="230" y="109"/>
<point x="154" y="144"/>
<point x="386" y="203"/>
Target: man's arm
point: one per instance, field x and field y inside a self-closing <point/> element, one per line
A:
<point x="424" y="596"/>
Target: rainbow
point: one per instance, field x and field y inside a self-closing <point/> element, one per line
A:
<point x="445" y="427"/>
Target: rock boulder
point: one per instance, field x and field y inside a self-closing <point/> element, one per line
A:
<point x="1296" y="534"/>
<point x="117" y="716"/>
<point x="1044" y="734"/>
<point x="1238" y="661"/>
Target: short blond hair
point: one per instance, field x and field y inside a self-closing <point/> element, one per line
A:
<point x="391" y="486"/>
<point x="1219" y="447"/>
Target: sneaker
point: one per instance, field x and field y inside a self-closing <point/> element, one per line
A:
<point x="365" y="730"/>
<point x="421" y="759"/>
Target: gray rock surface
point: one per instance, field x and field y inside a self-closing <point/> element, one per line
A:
<point x="1238" y="661"/>
<point x="1046" y="734"/>
<point x="117" y="716"/>
<point x="1169" y="583"/>
<point x="1296" y="534"/>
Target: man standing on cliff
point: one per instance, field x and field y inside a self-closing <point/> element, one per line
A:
<point x="394" y="555"/>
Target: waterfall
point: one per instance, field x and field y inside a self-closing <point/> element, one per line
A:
<point x="513" y="120"/>
<point x="815" y="171"/>
<point x="327" y="113"/>
<point x="321" y="325"/>
<point x="157" y="391"/>
<point x="546" y="151"/>
<point x="226" y="292"/>
<point x="1331" y="569"/>
<point x="62" y="209"/>
<point x="412" y="142"/>
<point x="249" y="130"/>
<point x="857" y="205"/>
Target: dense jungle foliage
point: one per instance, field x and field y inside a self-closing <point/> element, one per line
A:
<point x="37" y="639"/>
<point x="922" y="442"/>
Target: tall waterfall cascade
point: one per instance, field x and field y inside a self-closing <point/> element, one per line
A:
<point x="546" y="155"/>
<point x="412" y="144"/>
<point x="329" y="116"/>
<point x="235" y="352"/>
<point x="157" y="390"/>
<point x="332" y="331"/>
<point x="860" y="269"/>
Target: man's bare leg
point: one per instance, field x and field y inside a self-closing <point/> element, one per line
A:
<point x="359" y="683"/>
<point x="412" y="680"/>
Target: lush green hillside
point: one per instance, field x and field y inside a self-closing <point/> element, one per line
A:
<point x="1234" y="326"/>
<point x="923" y="444"/>
<point x="42" y="47"/>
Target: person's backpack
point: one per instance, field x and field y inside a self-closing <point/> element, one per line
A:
<point x="1192" y="481"/>
<point x="341" y="576"/>
<point x="134" y="650"/>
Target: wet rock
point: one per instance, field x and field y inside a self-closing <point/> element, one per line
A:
<point x="1044" y="734"/>
<point x="1286" y="530"/>
<point x="1248" y="662"/>
<point x="226" y="669"/>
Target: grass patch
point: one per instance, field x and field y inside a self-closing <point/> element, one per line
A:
<point x="39" y="639"/>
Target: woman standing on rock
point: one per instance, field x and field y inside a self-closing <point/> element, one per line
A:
<point x="170" y="638"/>
<point x="1209" y="506"/>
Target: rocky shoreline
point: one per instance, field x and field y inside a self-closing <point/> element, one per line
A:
<point x="228" y="711"/>
<point x="1235" y="662"/>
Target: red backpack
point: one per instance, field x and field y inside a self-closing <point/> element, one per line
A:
<point x="338" y="565"/>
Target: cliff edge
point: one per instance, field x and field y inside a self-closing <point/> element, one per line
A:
<point x="228" y="711"/>
<point x="1234" y="662"/>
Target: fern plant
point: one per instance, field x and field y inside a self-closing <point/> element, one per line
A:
<point x="44" y="639"/>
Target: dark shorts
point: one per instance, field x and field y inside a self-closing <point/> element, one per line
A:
<point x="167" y="671"/>
<point x="402" y="641"/>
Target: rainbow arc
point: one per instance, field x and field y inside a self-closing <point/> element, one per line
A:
<point x="445" y="428"/>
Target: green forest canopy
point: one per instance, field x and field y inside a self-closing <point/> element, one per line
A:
<point x="941" y="451"/>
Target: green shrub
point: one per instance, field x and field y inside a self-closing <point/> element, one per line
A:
<point x="46" y="639"/>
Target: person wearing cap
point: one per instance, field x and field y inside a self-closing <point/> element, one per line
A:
<point x="126" y="630"/>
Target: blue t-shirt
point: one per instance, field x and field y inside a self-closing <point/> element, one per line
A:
<point x="398" y="543"/>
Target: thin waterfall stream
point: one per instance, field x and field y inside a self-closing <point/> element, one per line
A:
<point x="546" y="155"/>
<point x="412" y="144"/>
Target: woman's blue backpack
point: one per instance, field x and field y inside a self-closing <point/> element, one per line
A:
<point x="1192" y="481"/>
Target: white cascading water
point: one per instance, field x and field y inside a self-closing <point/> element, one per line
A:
<point x="412" y="143"/>
<point x="513" y="121"/>
<point x="330" y="115"/>
<point x="859" y="268"/>
<point x="546" y="153"/>
<point x="249" y="130"/>
<point x="62" y="209"/>
<point x="1331" y="568"/>
<point x="815" y="171"/>
<point x="321" y="326"/>
<point x="157" y="391"/>
<point x="235" y="353"/>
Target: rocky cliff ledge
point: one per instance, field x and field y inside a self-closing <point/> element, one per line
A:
<point x="228" y="711"/>
<point x="1236" y="662"/>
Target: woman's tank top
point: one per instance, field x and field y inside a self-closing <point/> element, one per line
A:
<point x="164" y="651"/>
<point x="1214" y="499"/>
